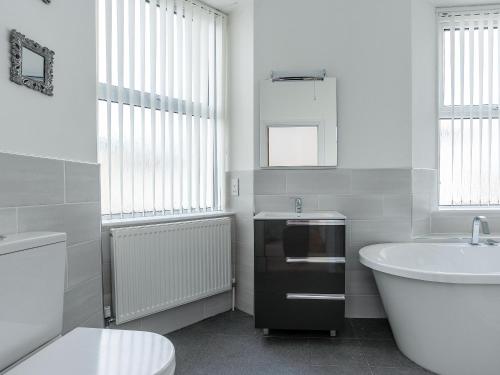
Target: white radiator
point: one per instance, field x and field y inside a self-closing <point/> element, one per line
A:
<point x="157" y="267"/>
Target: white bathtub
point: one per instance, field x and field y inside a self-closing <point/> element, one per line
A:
<point x="443" y="303"/>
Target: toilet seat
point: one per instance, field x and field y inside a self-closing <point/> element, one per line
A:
<point x="91" y="351"/>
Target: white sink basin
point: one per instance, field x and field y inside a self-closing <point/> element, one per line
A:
<point x="325" y="215"/>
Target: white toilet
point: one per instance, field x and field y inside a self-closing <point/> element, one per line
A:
<point x="32" y="276"/>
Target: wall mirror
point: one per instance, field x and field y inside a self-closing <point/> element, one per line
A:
<point x="31" y="64"/>
<point x="298" y="123"/>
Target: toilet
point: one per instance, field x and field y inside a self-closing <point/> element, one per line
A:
<point x="32" y="278"/>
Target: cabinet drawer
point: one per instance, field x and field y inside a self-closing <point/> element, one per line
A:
<point x="294" y="238"/>
<point x="274" y="274"/>
<point x="299" y="311"/>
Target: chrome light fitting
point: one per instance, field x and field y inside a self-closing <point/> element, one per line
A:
<point x="313" y="75"/>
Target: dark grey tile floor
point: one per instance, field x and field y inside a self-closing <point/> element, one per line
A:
<point x="229" y="344"/>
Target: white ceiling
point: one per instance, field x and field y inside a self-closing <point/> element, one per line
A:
<point x="224" y="5"/>
<point x="450" y="3"/>
<point x="228" y="5"/>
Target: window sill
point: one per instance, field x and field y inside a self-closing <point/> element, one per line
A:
<point x="117" y="223"/>
<point x="466" y="211"/>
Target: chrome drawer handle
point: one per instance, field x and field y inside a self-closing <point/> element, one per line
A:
<point x="332" y="260"/>
<point x="312" y="296"/>
<point x="314" y="222"/>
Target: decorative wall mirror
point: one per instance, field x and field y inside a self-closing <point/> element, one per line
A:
<point x="31" y="64"/>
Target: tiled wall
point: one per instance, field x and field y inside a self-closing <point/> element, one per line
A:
<point x="38" y="194"/>
<point x="168" y="320"/>
<point x="382" y="205"/>
<point x="243" y="207"/>
<point x="425" y="190"/>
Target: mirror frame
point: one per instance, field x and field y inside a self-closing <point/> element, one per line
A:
<point x="17" y="42"/>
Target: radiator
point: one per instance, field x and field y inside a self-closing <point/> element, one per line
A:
<point x="158" y="267"/>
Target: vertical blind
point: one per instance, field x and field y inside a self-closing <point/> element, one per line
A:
<point x="469" y="130"/>
<point x="161" y="108"/>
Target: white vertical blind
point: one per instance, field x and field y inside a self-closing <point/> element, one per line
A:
<point x="162" y="84"/>
<point x="469" y="129"/>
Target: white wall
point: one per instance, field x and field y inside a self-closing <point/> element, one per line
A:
<point x="62" y="126"/>
<point x="366" y="45"/>
<point x="241" y="87"/>
<point x="424" y="84"/>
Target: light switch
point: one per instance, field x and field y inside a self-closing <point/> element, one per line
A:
<point x="235" y="186"/>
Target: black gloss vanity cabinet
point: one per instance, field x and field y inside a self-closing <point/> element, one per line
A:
<point x="299" y="274"/>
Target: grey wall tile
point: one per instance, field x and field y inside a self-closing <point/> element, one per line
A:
<point x="244" y="299"/>
<point x="421" y="206"/>
<point x="244" y="230"/>
<point x="269" y="181"/>
<point x="84" y="262"/>
<point x="367" y="232"/>
<point x="397" y="206"/>
<point x="285" y="202"/>
<point x="360" y="282"/>
<point x="42" y="218"/>
<point x="106" y="278"/>
<point x="29" y="181"/>
<point x="173" y="319"/>
<point x="217" y="304"/>
<point x="106" y="246"/>
<point x="353" y="206"/>
<point x="246" y="181"/>
<point x="424" y="181"/>
<point x="81" y="222"/>
<point x="245" y="276"/>
<point x="95" y="321"/>
<point x="385" y="181"/>
<point x="369" y="306"/>
<point x="8" y="221"/>
<point x="421" y="227"/>
<point x="81" y="182"/>
<point x="245" y="253"/>
<point x="456" y="222"/>
<point x="81" y="303"/>
<point x="243" y="203"/>
<point x="134" y="325"/>
<point x="323" y="181"/>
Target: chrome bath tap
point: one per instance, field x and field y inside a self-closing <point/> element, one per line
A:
<point x="479" y="223"/>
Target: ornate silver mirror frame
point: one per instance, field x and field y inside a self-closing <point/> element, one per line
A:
<point x="17" y="42"/>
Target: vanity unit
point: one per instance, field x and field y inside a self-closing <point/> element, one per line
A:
<point x="299" y="271"/>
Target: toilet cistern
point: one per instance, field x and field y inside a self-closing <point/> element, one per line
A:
<point x="478" y="223"/>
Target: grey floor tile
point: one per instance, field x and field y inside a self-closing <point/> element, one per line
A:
<point x="384" y="353"/>
<point x="399" y="371"/>
<point x="229" y="344"/>
<point x="371" y="328"/>
<point x="230" y="323"/>
<point x="235" y="368"/>
<point x="339" y="352"/>
<point x="339" y="370"/>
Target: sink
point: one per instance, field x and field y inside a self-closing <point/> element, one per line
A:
<point x="324" y="215"/>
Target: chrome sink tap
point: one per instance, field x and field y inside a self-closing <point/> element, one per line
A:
<point x="298" y="205"/>
<point x="479" y="223"/>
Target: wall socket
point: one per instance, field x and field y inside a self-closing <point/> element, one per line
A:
<point x="235" y="187"/>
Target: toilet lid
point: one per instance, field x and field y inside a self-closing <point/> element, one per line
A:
<point x="91" y="351"/>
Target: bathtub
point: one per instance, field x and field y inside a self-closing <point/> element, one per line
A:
<point x="443" y="303"/>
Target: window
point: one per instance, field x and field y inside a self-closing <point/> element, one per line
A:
<point x="161" y="72"/>
<point x="469" y="130"/>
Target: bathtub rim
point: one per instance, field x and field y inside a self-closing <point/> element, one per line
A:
<point x="416" y="274"/>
